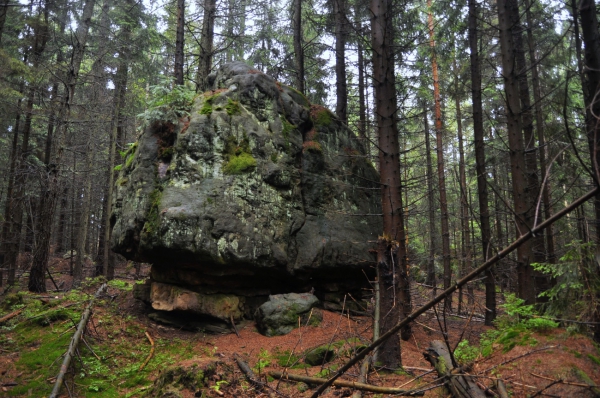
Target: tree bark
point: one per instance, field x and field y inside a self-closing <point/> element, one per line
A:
<point x="439" y="136"/>
<point x="179" y="43"/>
<point x="298" y="46"/>
<point x="539" y="124"/>
<point x="16" y="199"/>
<point x="341" y="108"/>
<point x="591" y="40"/>
<point x="431" y="280"/>
<point x="391" y="253"/>
<point x="206" y="45"/>
<point x="506" y="9"/>
<point x="478" y="134"/>
<point x="121" y="81"/>
<point x="464" y="201"/>
<point x="3" y="12"/>
<point x="37" y="282"/>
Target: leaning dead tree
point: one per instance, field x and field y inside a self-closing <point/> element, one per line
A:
<point x="85" y="317"/>
<point x="446" y="293"/>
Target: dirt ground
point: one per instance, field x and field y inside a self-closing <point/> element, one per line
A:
<point x="549" y="364"/>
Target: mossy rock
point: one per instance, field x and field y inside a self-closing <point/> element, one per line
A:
<point x="320" y="355"/>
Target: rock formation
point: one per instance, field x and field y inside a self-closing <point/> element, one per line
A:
<point x="257" y="192"/>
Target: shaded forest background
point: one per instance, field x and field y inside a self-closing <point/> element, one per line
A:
<point x="493" y="106"/>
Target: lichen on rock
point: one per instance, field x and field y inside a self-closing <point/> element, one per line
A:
<point x="253" y="194"/>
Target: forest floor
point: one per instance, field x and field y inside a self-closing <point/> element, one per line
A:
<point x="554" y="362"/>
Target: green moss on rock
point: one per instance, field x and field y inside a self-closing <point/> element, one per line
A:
<point x="239" y="164"/>
<point x="232" y="107"/>
<point x="153" y="216"/>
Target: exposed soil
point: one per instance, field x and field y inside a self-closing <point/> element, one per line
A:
<point x="548" y="364"/>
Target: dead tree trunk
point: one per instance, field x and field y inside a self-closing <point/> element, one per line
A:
<point x="460" y="386"/>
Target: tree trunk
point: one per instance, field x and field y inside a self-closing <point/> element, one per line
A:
<point x="206" y="45"/>
<point x="179" y="43"/>
<point x="3" y="11"/>
<point x="439" y="133"/>
<point x="482" y="192"/>
<point x="37" y="282"/>
<point x="464" y="202"/>
<point x="121" y="81"/>
<point x="539" y="123"/>
<point x="362" y="111"/>
<point x="341" y="89"/>
<point x="298" y="46"/>
<point x="9" y="238"/>
<point x="430" y="208"/>
<point x="21" y="169"/>
<point x="506" y="9"/>
<point x="591" y="40"/>
<point x="391" y="254"/>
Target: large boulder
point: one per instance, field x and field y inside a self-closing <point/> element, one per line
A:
<point x="283" y="312"/>
<point x="257" y="192"/>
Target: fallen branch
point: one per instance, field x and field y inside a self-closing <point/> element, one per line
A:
<point x="460" y="386"/>
<point x="10" y="316"/>
<point x="460" y="283"/>
<point x="344" y="383"/>
<point x="75" y="342"/>
<point x="151" y="352"/>
<point x="234" y="327"/>
<point x="247" y="371"/>
<point x="592" y="387"/>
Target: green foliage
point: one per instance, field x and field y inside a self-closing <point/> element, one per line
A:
<point x="465" y="353"/>
<point x="167" y="102"/>
<point x="264" y="360"/>
<point x="120" y="284"/>
<point x="570" y="294"/>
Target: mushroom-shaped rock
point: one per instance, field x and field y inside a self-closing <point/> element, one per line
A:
<point x="257" y="192"/>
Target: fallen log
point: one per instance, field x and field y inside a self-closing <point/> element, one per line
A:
<point x="460" y="386"/>
<point x="10" y="316"/>
<point x="75" y="342"/>
<point x="351" y="384"/>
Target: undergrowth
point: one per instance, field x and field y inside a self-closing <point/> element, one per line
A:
<point x="514" y="327"/>
<point x="42" y="332"/>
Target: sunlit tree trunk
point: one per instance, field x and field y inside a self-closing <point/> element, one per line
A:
<point x="430" y="207"/>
